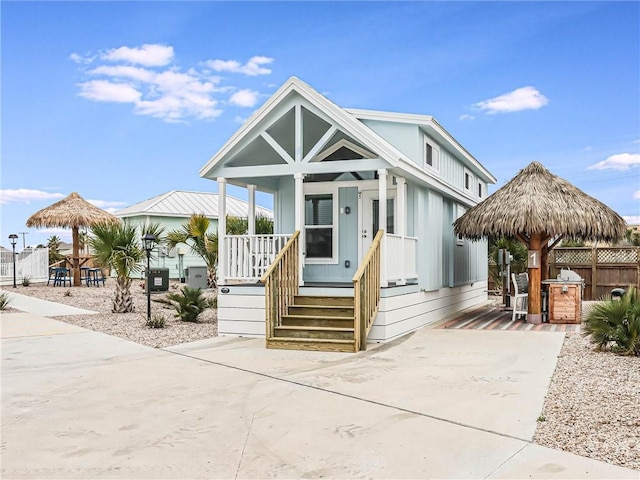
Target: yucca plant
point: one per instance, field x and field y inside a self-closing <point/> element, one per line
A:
<point x="189" y="303"/>
<point x="4" y="301"/>
<point x="615" y="324"/>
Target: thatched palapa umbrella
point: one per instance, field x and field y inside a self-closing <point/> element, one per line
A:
<point x="71" y="212"/>
<point x="536" y="206"/>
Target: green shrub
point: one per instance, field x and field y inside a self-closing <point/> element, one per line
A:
<point x="156" y="321"/>
<point x="4" y="301"/>
<point x="26" y="281"/>
<point x="189" y="303"/>
<point x="615" y="324"/>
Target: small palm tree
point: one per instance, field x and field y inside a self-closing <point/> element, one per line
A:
<point x="117" y="246"/>
<point x="194" y="234"/>
<point x="53" y="244"/>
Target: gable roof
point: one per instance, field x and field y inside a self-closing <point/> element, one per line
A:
<point x="178" y="203"/>
<point x="350" y="122"/>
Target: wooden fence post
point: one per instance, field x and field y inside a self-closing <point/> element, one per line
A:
<point x="594" y="273"/>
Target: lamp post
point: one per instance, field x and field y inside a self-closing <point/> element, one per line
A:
<point x="12" y="238"/>
<point x="149" y="241"/>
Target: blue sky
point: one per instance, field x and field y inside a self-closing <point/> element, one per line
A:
<point x="122" y="101"/>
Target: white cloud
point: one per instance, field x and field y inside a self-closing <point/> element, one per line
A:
<point x="106" y="91"/>
<point x="636" y="195"/>
<point x="167" y="93"/>
<point x="104" y="204"/>
<point x="620" y="161"/>
<point x="525" y="98"/>
<point x="252" y="68"/>
<point x="632" y="219"/>
<point x="149" y="55"/>
<point x="466" y="116"/>
<point x="244" y="98"/>
<point x="25" y="195"/>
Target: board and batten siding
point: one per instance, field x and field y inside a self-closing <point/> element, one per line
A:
<point x="404" y="137"/>
<point x="283" y="206"/>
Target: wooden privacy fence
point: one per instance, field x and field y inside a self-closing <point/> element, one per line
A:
<point x="602" y="268"/>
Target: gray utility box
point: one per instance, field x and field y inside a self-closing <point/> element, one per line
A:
<point x="197" y="277"/>
<point x="159" y="280"/>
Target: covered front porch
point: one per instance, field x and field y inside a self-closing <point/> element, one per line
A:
<point x="337" y="222"/>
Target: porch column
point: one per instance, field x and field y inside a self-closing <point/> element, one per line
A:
<point x="401" y="203"/>
<point x="382" y="224"/>
<point x="299" y="220"/>
<point x="251" y="216"/>
<point x="222" y="230"/>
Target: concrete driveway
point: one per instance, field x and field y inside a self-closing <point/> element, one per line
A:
<point x="435" y="404"/>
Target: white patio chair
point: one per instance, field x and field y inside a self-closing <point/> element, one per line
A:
<point x="520" y="297"/>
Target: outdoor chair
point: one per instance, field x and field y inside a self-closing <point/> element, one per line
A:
<point x="62" y="276"/>
<point x="520" y="297"/>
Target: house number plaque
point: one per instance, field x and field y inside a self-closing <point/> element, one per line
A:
<point x="534" y="259"/>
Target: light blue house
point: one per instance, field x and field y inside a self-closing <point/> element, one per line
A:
<point x="338" y="177"/>
<point x="171" y="210"/>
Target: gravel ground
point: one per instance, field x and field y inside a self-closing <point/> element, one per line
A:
<point x="592" y="407"/>
<point x="131" y="326"/>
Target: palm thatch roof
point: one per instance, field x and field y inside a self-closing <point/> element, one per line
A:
<point x="70" y="212"/>
<point x="536" y="201"/>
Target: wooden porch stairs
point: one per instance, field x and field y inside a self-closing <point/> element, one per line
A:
<point x="319" y="323"/>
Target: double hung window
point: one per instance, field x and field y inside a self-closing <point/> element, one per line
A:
<point x="319" y="226"/>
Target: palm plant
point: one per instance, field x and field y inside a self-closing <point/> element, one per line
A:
<point x="615" y="324"/>
<point x="117" y="246"/>
<point x="189" y="304"/>
<point x="264" y="225"/>
<point x="194" y="234"/>
<point x="53" y="244"/>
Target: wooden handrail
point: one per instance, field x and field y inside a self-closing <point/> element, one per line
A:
<point x="366" y="289"/>
<point x="281" y="284"/>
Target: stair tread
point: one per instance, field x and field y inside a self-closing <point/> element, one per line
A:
<point x="322" y="306"/>
<point x="311" y="340"/>
<point x="312" y="327"/>
<point x="317" y="317"/>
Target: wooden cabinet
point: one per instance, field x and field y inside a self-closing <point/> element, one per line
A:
<point x="565" y="300"/>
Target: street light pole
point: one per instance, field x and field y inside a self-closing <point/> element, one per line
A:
<point x="149" y="240"/>
<point x="12" y="238"/>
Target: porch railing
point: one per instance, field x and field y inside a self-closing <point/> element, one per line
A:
<point x="281" y="284"/>
<point x="248" y="256"/>
<point x="366" y="288"/>
<point x="400" y="257"/>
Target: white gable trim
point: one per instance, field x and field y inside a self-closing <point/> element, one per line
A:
<point x="345" y="121"/>
<point x="276" y="146"/>
<point x="343" y="143"/>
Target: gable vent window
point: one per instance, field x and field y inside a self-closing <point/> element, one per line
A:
<point x="431" y="156"/>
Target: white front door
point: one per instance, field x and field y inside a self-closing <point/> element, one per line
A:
<point x="369" y="224"/>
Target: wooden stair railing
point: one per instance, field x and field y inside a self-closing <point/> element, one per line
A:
<point x="281" y="284"/>
<point x="366" y="288"/>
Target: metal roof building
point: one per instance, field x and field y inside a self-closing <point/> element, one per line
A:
<point x="178" y="203"/>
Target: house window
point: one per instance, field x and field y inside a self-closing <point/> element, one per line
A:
<point x="431" y="156"/>
<point x="480" y="190"/>
<point x="319" y="226"/>
<point x="468" y="182"/>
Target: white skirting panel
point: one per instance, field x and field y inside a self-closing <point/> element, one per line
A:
<point x="401" y="314"/>
<point x="241" y="312"/>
